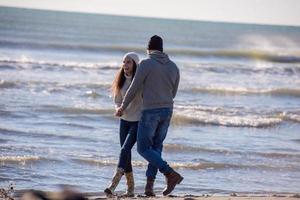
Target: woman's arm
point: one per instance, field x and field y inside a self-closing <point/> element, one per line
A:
<point x="118" y="99"/>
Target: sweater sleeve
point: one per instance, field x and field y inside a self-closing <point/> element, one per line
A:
<point x="176" y="84"/>
<point x="118" y="99"/>
<point x="136" y="85"/>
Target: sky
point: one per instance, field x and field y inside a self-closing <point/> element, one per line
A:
<point x="281" y="12"/>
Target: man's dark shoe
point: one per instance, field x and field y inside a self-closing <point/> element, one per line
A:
<point x="172" y="178"/>
<point x="149" y="187"/>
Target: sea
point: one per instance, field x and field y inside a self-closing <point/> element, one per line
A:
<point x="236" y="121"/>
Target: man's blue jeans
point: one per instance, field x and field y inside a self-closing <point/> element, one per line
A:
<point x="152" y="130"/>
<point x="128" y="132"/>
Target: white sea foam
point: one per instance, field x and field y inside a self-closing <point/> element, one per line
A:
<point x="19" y="159"/>
<point x="238" y="117"/>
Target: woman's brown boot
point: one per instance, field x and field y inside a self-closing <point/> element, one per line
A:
<point x="130" y="184"/>
<point x="114" y="183"/>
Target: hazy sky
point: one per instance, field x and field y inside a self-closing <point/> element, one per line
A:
<point x="286" y="12"/>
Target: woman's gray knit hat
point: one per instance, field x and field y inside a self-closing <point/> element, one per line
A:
<point x="133" y="56"/>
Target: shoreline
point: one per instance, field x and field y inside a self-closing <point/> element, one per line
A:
<point x="18" y="194"/>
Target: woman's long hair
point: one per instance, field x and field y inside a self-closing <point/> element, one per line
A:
<point x="120" y="79"/>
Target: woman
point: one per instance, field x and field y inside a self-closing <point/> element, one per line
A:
<point x="128" y="123"/>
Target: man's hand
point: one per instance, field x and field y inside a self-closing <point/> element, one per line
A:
<point x="119" y="112"/>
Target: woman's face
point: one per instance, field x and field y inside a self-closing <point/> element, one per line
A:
<point x="128" y="66"/>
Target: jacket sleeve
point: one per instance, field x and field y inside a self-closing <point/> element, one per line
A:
<point x="176" y="84"/>
<point x="118" y="99"/>
<point x="136" y="84"/>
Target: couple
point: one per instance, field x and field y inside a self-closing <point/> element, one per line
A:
<point x="143" y="94"/>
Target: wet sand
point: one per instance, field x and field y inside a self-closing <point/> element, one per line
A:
<point x="99" y="195"/>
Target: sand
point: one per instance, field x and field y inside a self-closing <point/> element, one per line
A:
<point x="99" y="195"/>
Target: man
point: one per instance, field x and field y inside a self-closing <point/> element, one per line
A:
<point x="158" y="78"/>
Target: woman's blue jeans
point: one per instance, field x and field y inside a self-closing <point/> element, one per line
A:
<point x="128" y="134"/>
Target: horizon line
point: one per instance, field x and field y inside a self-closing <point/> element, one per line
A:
<point x="151" y="17"/>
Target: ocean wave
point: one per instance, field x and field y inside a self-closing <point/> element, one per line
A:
<point x="236" y="68"/>
<point x="34" y="64"/>
<point x="8" y="66"/>
<point x="194" y="166"/>
<point x="92" y="94"/>
<point x="43" y="135"/>
<point x="7" y="84"/>
<point x="70" y="46"/>
<point x="227" y="53"/>
<point x="290" y="117"/>
<point x="87" y="85"/>
<point x="178" y="165"/>
<point x="103" y="162"/>
<point x="56" y="87"/>
<point x="246" y="91"/>
<point x="18" y="159"/>
<point x="222" y="120"/>
<point x="3" y="141"/>
<point x="65" y="88"/>
<point x="249" y="54"/>
<point x="176" y="148"/>
<point x="66" y="124"/>
<point x="296" y="140"/>
<point x="232" y="117"/>
<point x="179" y="148"/>
<point x="75" y="110"/>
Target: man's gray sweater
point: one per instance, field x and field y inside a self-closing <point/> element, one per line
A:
<point x="158" y="78"/>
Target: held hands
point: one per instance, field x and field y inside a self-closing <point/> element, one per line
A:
<point x="119" y="112"/>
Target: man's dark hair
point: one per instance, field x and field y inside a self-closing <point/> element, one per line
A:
<point x="155" y="43"/>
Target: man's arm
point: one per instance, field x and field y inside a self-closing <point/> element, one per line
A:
<point x="176" y="84"/>
<point x="136" y="84"/>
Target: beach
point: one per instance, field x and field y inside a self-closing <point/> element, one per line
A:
<point x="95" y="195"/>
<point x="236" y="120"/>
<point x="27" y="195"/>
